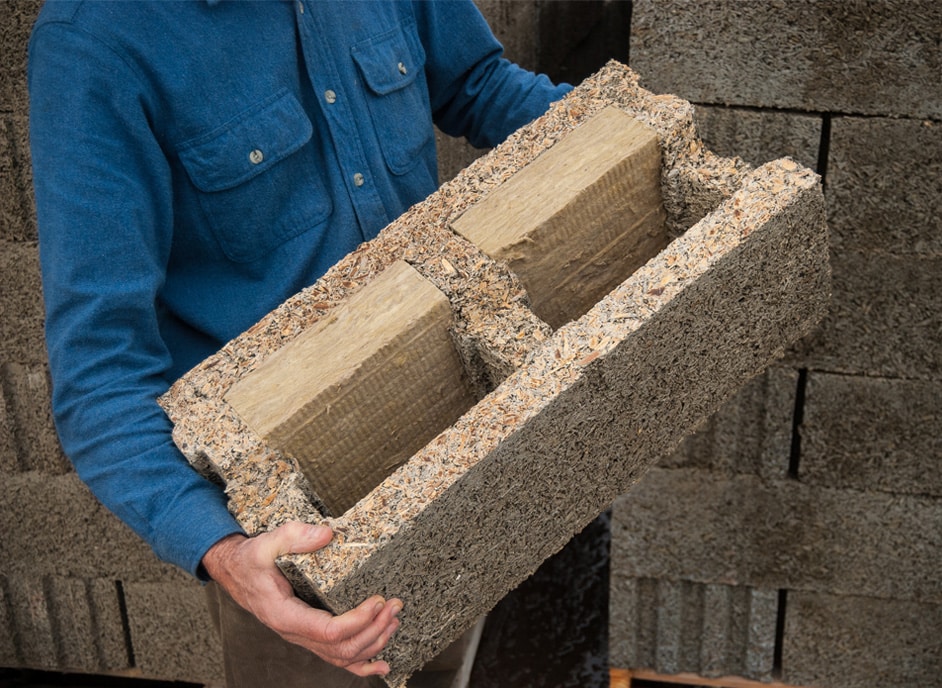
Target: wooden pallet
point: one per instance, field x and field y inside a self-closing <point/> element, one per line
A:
<point x="625" y="678"/>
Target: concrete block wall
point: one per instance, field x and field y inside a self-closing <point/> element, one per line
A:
<point x="816" y="488"/>
<point x="849" y="87"/>
<point x="78" y="591"/>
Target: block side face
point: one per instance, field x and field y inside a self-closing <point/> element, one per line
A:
<point x="782" y="534"/>
<point x="676" y="627"/>
<point x="17" y="214"/>
<point x="884" y="318"/>
<point x="32" y="433"/>
<point x="860" y="642"/>
<point x="787" y="56"/>
<point x="83" y="539"/>
<point x="760" y="136"/>
<point x="885" y="185"/>
<point x="750" y="433"/>
<point x="171" y="632"/>
<point x="21" y="327"/>
<point x="872" y="434"/>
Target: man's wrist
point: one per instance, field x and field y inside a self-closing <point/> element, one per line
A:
<point x="216" y="561"/>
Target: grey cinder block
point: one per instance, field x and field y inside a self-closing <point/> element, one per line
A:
<point x="860" y="642"/>
<point x="867" y="433"/>
<point x="873" y="58"/>
<point x="884" y="318"/>
<point x="760" y="136"/>
<point x="171" y="632"/>
<point x="700" y="526"/>
<point x="80" y="538"/>
<point x="885" y="185"/>
<point x="21" y="327"/>
<point x="27" y="394"/>
<point x="684" y="627"/>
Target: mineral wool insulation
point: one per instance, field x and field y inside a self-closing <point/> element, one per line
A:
<point x="567" y="419"/>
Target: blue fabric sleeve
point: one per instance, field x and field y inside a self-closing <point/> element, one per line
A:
<point x="492" y="98"/>
<point x="103" y="197"/>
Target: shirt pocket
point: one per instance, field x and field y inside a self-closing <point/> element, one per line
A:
<point x="392" y="65"/>
<point x="255" y="184"/>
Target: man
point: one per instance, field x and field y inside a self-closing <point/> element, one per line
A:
<point x="196" y="163"/>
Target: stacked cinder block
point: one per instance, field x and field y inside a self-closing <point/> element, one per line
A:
<point x="573" y="416"/>
<point x="816" y="490"/>
<point x="78" y="592"/>
<point x="77" y="588"/>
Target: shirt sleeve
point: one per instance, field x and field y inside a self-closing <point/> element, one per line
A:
<point x="475" y="92"/>
<point x="104" y="208"/>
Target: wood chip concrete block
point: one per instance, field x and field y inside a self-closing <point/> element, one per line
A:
<point x="569" y="418"/>
<point x="742" y="530"/>
<point x="802" y="54"/>
<point x="750" y="433"/>
<point x="867" y="433"/>
<point x="758" y="136"/>
<point x="171" y="634"/>
<point x="21" y="327"/>
<point x="860" y="642"/>
<point x="684" y="627"/>
<point x="885" y="185"/>
<point x="884" y="319"/>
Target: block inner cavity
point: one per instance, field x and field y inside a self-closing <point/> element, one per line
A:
<point x="578" y="220"/>
<point x="358" y="394"/>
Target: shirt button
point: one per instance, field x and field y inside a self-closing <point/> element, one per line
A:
<point x="256" y="156"/>
<point x="402" y="68"/>
<point x="358" y="179"/>
<point x="330" y="96"/>
<point x="301" y="7"/>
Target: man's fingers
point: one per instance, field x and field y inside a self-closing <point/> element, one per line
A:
<point x="369" y="668"/>
<point x="293" y="538"/>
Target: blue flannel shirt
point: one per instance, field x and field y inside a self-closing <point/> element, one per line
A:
<point x="196" y="163"/>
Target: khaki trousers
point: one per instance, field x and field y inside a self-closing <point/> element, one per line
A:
<point x="254" y="656"/>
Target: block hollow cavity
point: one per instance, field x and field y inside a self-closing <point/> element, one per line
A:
<point x="356" y="395"/>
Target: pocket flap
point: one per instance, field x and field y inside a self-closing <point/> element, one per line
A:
<point x="387" y="62"/>
<point x="247" y="145"/>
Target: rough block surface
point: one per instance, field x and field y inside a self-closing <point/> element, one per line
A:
<point x="885" y="185"/>
<point x="860" y="642"/>
<point x="602" y="396"/>
<point x="17" y="217"/>
<point x="758" y="136"/>
<point x="171" y="632"/>
<point x="684" y="627"/>
<point x="884" y="318"/>
<point x="27" y="393"/>
<point x="21" y="327"/>
<point x="803" y="54"/>
<point x="80" y="538"/>
<point x="750" y="433"/>
<point x="698" y="526"/>
<point x="867" y="433"/>
<point x="16" y="22"/>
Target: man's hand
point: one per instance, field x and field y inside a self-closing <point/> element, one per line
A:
<point x="245" y="568"/>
